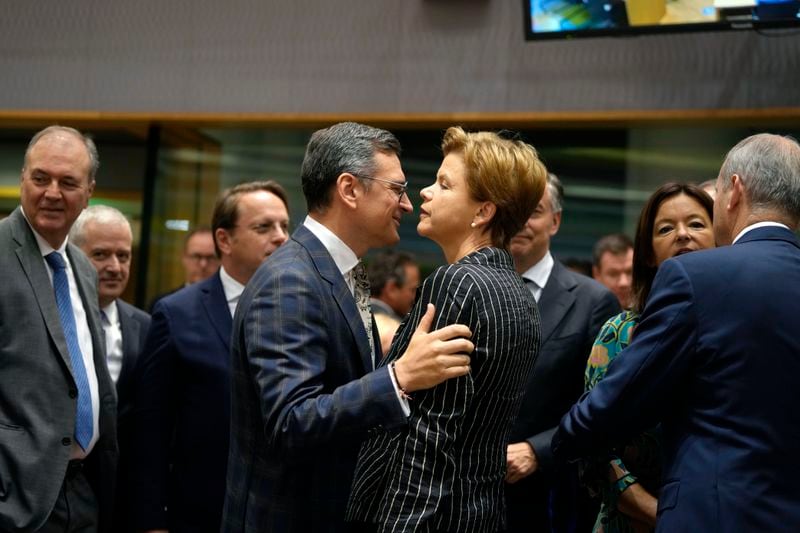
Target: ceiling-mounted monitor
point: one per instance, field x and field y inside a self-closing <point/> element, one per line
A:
<point x="549" y="19"/>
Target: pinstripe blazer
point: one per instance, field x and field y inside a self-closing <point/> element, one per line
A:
<point x="303" y="394"/>
<point x="444" y="470"/>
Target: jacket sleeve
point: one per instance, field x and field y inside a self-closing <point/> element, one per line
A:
<point x="646" y="380"/>
<point x="295" y="339"/>
<point x="423" y="476"/>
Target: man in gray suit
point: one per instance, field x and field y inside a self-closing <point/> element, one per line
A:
<point x="572" y="308"/>
<point x="105" y="236"/>
<point x="58" y="446"/>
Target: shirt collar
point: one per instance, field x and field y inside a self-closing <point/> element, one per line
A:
<point x="111" y="312"/>
<point x="757" y="225"/>
<point x="540" y="272"/>
<point x="232" y="288"/>
<point x="344" y="257"/>
<point x="44" y="246"/>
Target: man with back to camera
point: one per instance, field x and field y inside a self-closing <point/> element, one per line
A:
<point x="57" y="403"/>
<point x="104" y="235"/>
<point x="612" y="265"/>
<point x="304" y="348"/>
<point x="715" y="360"/>
<point x="573" y="308"/>
<point x="182" y="415"/>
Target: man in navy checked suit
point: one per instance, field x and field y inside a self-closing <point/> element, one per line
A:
<point x="715" y="360"/>
<point x="182" y="402"/>
<point x="304" y="390"/>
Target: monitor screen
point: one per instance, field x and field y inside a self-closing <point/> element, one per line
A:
<point x="583" y="18"/>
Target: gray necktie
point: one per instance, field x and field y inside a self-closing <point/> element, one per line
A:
<point x="536" y="291"/>
<point x="361" y="295"/>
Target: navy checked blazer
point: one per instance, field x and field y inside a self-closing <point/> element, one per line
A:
<point x="304" y="394"/>
<point x="445" y="470"/>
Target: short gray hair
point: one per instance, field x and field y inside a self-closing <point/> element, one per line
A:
<point x="769" y="167"/>
<point x="556" y="191"/>
<point x="102" y="215"/>
<point x="91" y="149"/>
<point x="344" y="147"/>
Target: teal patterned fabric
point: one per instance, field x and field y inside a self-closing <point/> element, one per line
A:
<point x="639" y="459"/>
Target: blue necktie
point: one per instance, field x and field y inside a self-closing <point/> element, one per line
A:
<point x="83" y="418"/>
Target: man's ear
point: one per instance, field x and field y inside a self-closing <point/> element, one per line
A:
<point x="556" y="223"/>
<point x="348" y="189"/>
<point x="737" y="193"/>
<point x="223" y="240"/>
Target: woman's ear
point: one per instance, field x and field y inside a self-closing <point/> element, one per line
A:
<point x="484" y="215"/>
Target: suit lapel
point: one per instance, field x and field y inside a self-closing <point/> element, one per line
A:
<point x="86" y="278"/>
<point x="340" y="292"/>
<point x="130" y="343"/>
<point x="216" y="306"/>
<point x="556" y="301"/>
<point x="30" y="259"/>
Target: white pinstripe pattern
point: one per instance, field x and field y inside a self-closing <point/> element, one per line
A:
<point x="445" y="469"/>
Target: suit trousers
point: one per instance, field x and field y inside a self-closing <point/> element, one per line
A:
<point x="75" y="510"/>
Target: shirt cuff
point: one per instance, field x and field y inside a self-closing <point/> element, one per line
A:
<point x="403" y="401"/>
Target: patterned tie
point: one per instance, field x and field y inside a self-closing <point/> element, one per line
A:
<point x="361" y="284"/>
<point x="83" y="418"/>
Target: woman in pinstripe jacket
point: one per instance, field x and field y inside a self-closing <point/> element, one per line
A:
<point x="444" y="470"/>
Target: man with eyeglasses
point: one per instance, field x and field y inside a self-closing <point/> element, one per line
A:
<point x="199" y="259"/>
<point x="306" y="390"/>
<point x="182" y="407"/>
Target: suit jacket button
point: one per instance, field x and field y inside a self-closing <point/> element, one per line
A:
<point x="66" y="441"/>
<point x="73" y="393"/>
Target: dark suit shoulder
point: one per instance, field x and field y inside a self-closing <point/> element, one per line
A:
<point x="189" y="295"/>
<point x="134" y="312"/>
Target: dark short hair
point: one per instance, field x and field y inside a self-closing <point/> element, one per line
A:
<point x="344" y="147"/>
<point x="615" y="244"/>
<point x="226" y="208"/>
<point x="506" y="172"/>
<point x="386" y="266"/>
<point x="196" y="231"/>
<point x="644" y="267"/>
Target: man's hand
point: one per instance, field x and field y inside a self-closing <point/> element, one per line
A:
<point x="520" y="462"/>
<point x="434" y="357"/>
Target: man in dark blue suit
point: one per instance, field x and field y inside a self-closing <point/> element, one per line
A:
<point x="104" y="235"/>
<point x="182" y="407"/>
<point x="572" y="308"/>
<point x="715" y="360"/>
<point x="304" y="389"/>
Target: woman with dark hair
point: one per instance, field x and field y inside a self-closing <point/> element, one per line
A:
<point x="444" y="470"/>
<point x="675" y="220"/>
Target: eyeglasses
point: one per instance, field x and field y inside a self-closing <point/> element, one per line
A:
<point x="399" y="189"/>
<point x="198" y="258"/>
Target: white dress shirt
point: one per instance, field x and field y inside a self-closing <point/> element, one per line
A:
<point x="539" y="274"/>
<point x="759" y="225"/>
<point x="84" y="336"/>
<point x="232" y="289"/>
<point x="113" y="330"/>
